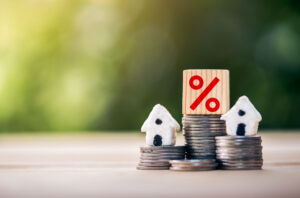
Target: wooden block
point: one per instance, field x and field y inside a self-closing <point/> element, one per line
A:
<point x="205" y="91"/>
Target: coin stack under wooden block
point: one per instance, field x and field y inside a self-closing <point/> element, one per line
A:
<point x="239" y="152"/>
<point x="158" y="157"/>
<point x="200" y="132"/>
<point x="205" y="98"/>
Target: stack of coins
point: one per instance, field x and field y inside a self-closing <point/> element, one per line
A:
<point x="158" y="157"/>
<point x="200" y="132"/>
<point x="239" y="152"/>
<point x="193" y="165"/>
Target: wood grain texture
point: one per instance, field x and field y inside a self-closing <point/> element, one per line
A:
<point x="220" y="91"/>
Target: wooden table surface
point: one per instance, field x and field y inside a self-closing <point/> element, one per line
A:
<point x="103" y="165"/>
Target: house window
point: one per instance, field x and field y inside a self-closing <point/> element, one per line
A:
<point x="158" y="121"/>
<point x="241" y="112"/>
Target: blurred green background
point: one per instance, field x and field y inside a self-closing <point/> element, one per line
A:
<point x="103" y="64"/>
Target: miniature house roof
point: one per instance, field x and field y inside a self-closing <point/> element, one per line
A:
<point x="244" y="104"/>
<point x="160" y="112"/>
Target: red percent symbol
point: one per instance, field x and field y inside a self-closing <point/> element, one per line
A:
<point x="205" y="92"/>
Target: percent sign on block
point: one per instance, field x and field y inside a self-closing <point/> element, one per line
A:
<point x="205" y="91"/>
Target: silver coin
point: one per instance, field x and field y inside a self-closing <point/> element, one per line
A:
<point x="151" y="168"/>
<point x="238" y="158"/>
<point x="159" y="152"/>
<point x="187" y="123"/>
<point x="229" y="159"/>
<point x="201" y="154"/>
<point x="195" y="166"/>
<point x="197" y="127"/>
<point x="241" y="161"/>
<point x="162" y="154"/>
<point x="203" y="128"/>
<point x="204" y="150"/>
<point x="241" y="168"/>
<point x="191" y="169"/>
<point x="241" y="145"/>
<point x="188" y="162"/>
<point x="198" y="148"/>
<point x="201" y="125"/>
<point x="201" y="151"/>
<point x="163" y="151"/>
<point x="201" y="157"/>
<point x="239" y="149"/>
<point x="200" y="144"/>
<point x="204" y="122"/>
<point x="212" y="152"/>
<point x="239" y="155"/>
<point x="237" y="144"/>
<point x="204" y="133"/>
<point x="209" y="136"/>
<point x="200" y="138"/>
<point x="241" y="164"/>
<point x="201" y="141"/>
<point x="146" y="148"/>
<point x="240" y="137"/>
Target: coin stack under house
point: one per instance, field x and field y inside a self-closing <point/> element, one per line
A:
<point x="158" y="157"/>
<point x="205" y="99"/>
<point x="239" y="152"/>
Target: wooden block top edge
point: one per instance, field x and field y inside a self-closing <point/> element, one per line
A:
<point x="206" y="70"/>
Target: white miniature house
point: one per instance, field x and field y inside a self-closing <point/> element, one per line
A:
<point x="160" y="127"/>
<point x="242" y="119"/>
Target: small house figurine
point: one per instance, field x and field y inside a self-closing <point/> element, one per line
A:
<point x="242" y="119"/>
<point x="160" y="127"/>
